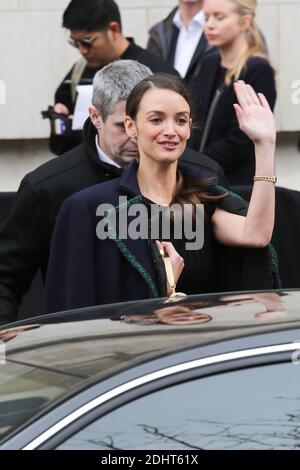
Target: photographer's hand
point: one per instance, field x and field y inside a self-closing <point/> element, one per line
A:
<point x="61" y="109"/>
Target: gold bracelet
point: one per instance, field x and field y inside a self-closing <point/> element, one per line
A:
<point x="270" y="179"/>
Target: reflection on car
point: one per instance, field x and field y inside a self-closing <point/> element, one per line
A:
<point x="201" y="372"/>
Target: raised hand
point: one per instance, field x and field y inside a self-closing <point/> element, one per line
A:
<point x="254" y="114"/>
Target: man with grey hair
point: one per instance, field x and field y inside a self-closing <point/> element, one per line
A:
<point x="111" y="88"/>
<point x="25" y="237"/>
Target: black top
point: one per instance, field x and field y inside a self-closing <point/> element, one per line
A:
<point x="226" y="143"/>
<point x="197" y="276"/>
<point x="193" y="239"/>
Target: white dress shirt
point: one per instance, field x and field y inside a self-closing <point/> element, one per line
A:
<point x="103" y="157"/>
<point x="187" y="41"/>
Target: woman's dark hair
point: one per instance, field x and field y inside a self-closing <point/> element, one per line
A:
<point x="91" y="15"/>
<point x="162" y="81"/>
<point x="189" y="189"/>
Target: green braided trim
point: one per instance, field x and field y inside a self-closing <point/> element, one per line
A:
<point x="127" y="204"/>
<point x="274" y="258"/>
<point x="224" y="190"/>
<point x="126" y="252"/>
<point x="221" y="190"/>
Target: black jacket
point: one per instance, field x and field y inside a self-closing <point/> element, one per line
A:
<point x="60" y="144"/>
<point x="163" y="40"/>
<point x="226" y="143"/>
<point x="26" y="234"/>
<point x="85" y="270"/>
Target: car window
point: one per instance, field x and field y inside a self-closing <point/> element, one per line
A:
<point x="255" y="408"/>
<point x="25" y="391"/>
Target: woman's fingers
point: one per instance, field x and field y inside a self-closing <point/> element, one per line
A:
<point x="239" y="112"/>
<point x="254" y="114"/>
<point x="253" y="95"/>
<point x="172" y="253"/>
<point x="167" y="248"/>
<point x="245" y="94"/>
<point x="241" y="93"/>
<point x="264" y="101"/>
<point x="160" y="247"/>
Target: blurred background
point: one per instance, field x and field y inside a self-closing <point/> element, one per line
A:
<point x="35" y="56"/>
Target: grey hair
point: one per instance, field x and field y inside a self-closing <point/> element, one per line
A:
<point x="114" y="83"/>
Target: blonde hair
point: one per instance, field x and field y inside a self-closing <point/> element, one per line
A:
<point x="255" y="40"/>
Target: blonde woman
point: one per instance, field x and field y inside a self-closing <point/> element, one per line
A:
<point x="231" y="28"/>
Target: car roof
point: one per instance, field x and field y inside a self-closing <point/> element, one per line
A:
<point x="98" y="341"/>
<point x="54" y="359"/>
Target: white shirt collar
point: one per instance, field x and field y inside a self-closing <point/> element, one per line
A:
<point x="103" y="157"/>
<point x="198" y="18"/>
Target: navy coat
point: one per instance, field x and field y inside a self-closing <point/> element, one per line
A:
<point x="85" y="271"/>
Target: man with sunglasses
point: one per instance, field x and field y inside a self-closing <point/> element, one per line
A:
<point x="95" y="30"/>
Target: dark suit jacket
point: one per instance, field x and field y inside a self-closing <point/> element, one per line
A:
<point x="163" y="40"/>
<point x="226" y="143"/>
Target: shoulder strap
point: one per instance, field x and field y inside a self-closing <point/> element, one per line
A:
<point x="76" y="76"/>
<point x="170" y="277"/>
<point x="209" y="119"/>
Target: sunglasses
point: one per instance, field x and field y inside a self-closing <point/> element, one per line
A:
<point x="86" y="43"/>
